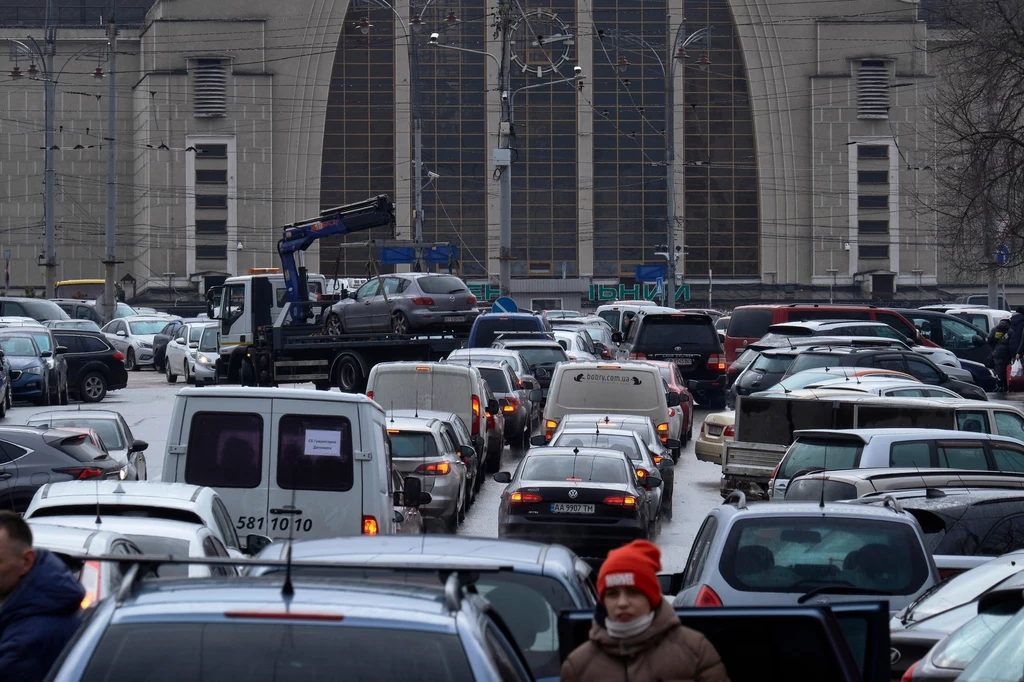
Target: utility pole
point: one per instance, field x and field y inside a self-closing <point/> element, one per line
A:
<point x="670" y="167"/>
<point x="503" y="155"/>
<point x="417" y="143"/>
<point x="49" y="95"/>
<point x="110" y="256"/>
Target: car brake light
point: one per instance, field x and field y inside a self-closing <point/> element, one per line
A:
<point x="657" y="459"/>
<point x="716" y="362"/>
<point x="549" y="426"/>
<point x="471" y="300"/>
<point x="671" y="411"/>
<point x="621" y="501"/>
<point x="119" y="356"/>
<point x="513" y="403"/>
<point x="706" y="597"/>
<point x="775" y="471"/>
<point x="369" y="394"/>
<point x="476" y="415"/>
<point x="90" y="580"/>
<point x="524" y="498"/>
<point x="663" y="431"/>
<point x="908" y="676"/>
<point x="642" y="473"/>
<point x="729" y="431"/>
<point x="435" y="469"/>
<point x="370" y="526"/>
<point x="82" y="473"/>
<point x="283" y="615"/>
<point x="490" y="421"/>
<point x="606" y="354"/>
<point x="422" y="300"/>
<point x="638" y="356"/>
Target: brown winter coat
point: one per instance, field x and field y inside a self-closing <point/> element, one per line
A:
<point x="666" y="651"/>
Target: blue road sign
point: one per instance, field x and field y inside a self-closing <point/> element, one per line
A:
<point x="659" y="288"/>
<point x="1003" y="256"/>
<point x="504" y="305"/>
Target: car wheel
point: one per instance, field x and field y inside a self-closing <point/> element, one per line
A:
<point x="94" y="387"/>
<point x="189" y="379"/>
<point x="129" y="361"/>
<point x="247" y="374"/>
<point x="172" y="378"/>
<point x="349" y="376"/>
<point x="332" y="326"/>
<point x="399" y="323"/>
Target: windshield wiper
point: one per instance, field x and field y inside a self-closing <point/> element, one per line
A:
<point x="909" y="611"/>
<point x="840" y="588"/>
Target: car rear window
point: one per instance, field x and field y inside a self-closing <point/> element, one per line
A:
<point x="315" y="453"/>
<point x="406" y="388"/>
<point x="155" y="545"/>
<point x="806" y="361"/>
<point x="106" y="429"/>
<point x="225" y="450"/>
<point x="441" y="285"/>
<point x="579" y="468"/>
<point x="274" y="651"/>
<point x="412" y="444"/>
<point x="615" y="389"/>
<point x="772" y="364"/>
<point x="665" y="333"/>
<point x="751" y="323"/>
<point x="543" y="355"/>
<point x="625" y="444"/>
<point x="488" y="329"/>
<point x="810" y="490"/>
<point x="820" y="453"/>
<point x="81" y="448"/>
<point x="496" y="379"/>
<point x="798" y="554"/>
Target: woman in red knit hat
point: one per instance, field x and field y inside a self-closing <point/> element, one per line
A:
<point x="636" y="635"/>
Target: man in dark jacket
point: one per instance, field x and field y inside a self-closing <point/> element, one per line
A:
<point x="1017" y="330"/>
<point x="40" y="601"/>
<point x="999" y="341"/>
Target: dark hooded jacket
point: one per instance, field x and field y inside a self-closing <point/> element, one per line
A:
<point x="999" y="340"/>
<point x="38" y="618"/>
<point x="1016" y="332"/>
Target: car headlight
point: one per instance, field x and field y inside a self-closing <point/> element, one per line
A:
<point x="33" y="370"/>
<point x="147" y="346"/>
<point x="204" y="359"/>
<point x="123" y="473"/>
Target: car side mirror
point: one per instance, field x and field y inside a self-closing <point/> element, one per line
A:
<point x="413" y="491"/>
<point x="671" y="583"/>
<point x="467" y="451"/>
<point x="194" y="345"/>
<point x="343" y="295"/>
<point x="672" y="444"/>
<point x="399" y="517"/>
<point x="138" y="446"/>
<point x="977" y="340"/>
<point x="60" y="350"/>
<point x="396" y="499"/>
<point x="616" y="337"/>
<point x="536" y="395"/>
<point x="122" y="333"/>
<point x="502" y="477"/>
<point x="539" y="440"/>
<point x="684" y="398"/>
<point x="180" y="341"/>
<point x="493" y="407"/>
<point x="256" y="543"/>
<point x="46" y="354"/>
<point x="672" y="399"/>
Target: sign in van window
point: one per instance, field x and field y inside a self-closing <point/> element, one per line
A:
<point x="225" y="450"/>
<point x="314" y="453"/>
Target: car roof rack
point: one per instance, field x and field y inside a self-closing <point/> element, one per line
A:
<point x="738" y="498"/>
<point x="889" y="501"/>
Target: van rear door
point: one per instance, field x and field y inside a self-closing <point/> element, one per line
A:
<point x="316" y="485"/>
<point x="229" y="450"/>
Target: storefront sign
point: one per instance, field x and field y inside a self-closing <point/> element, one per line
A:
<point x="625" y="292"/>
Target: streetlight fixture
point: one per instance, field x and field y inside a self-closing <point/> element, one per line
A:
<point x="703" y="62"/>
<point x="98" y="73"/>
<point x="364" y="25"/>
<point x="622" y="64"/>
<point x="32" y="70"/>
<point x="452" y="20"/>
<point x="16" y="73"/>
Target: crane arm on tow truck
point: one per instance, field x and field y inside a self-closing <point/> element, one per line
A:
<point x="377" y="211"/>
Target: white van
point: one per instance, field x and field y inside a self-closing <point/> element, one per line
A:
<point x="620" y="314"/>
<point x="438" y="386"/>
<point x="287" y="462"/>
<point x="610" y="387"/>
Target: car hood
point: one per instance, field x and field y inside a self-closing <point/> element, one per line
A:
<point x="24" y="361"/>
<point x="143" y="338"/>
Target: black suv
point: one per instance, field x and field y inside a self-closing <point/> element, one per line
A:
<point x="908" y="362"/>
<point x="687" y="339"/>
<point x="94" y="366"/>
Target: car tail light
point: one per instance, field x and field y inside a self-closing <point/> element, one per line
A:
<point x="657" y="459"/>
<point x="369" y="394"/>
<point x="524" y="498"/>
<point x="671" y="411"/>
<point x="435" y="469"/>
<point x="606" y="354"/>
<point x="642" y="473"/>
<point x="422" y="300"/>
<point x="471" y="300"/>
<point x="716" y="362"/>
<point x="370" y="526"/>
<point x="663" y="431"/>
<point x="621" y="501"/>
<point x="729" y="431"/>
<point x="638" y="356"/>
<point x="909" y="675"/>
<point x="119" y="356"/>
<point x="707" y="597"/>
<point x="90" y="579"/>
<point x="949" y="572"/>
<point x="549" y="426"/>
<point x="775" y="471"/>
<point x="513" y="404"/>
<point x="476" y="415"/>
<point x="490" y="421"/>
<point x="82" y="473"/>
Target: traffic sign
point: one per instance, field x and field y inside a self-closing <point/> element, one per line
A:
<point x="1003" y="256"/>
<point x="504" y="305"/>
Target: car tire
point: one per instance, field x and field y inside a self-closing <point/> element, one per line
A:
<point x="94" y="388"/>
<point x="399" y="323"/>
<point x="189" y="379"/>
<point x="172" y="378"/>
<point x="494" y="461"/>
<point x="332" y="325"/>
<point x="129" y="361"/>
<point x="247" y="374"/>
<point x="348" y="376"/>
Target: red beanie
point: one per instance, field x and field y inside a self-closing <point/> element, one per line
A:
<point x="635" y="565"/>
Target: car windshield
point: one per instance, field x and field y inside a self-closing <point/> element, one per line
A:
<point x="124" y="310"/>
<point x="42" y="340"/>
<point x="967" y="586"/>
<point x="109" y="433"/>
<point x="1002" y="659"/>
<point x="275" y="651"/>
<point x="209" y="342"/>
<point x="584" y="468"/>
<point x="626" y="444"/>
<point x="443" y="284"/>
<point x="412" y="444"/>
<point x="496" y="379"/>
<point x="819" y="453"/>
<point x="798" y="554"/>
<point x="667" y="332"/>
<point x="144" y="328"/>
<point x="543" y="356"/>
<point x="195" y="332"/>
<point x="773" y="363"/>
<point x="19" y="346"/>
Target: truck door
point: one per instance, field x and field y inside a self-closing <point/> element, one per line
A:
<point x="227" y="447"/>
<point x="316" y="485"/>
<point x="235" y="327"/>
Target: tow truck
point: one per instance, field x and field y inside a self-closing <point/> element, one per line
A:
<point x="271" y="323"/>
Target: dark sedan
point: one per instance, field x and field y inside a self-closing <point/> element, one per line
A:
<point x="587" y="499"/>
<point x="94" y="366"/>
<point x="34" y="456"/>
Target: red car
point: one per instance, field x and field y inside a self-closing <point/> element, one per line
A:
<point x="670" y="372"/>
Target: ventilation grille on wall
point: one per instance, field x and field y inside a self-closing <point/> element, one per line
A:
<point x="873" y="89"/>
<point x="209" y="84"/>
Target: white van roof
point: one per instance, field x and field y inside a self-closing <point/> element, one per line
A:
<point x="229" y="392"/>
<point x="447" y="367"/>
<point x="610" y="364"/>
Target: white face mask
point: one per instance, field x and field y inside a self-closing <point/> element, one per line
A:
<point x="630" y="628"/>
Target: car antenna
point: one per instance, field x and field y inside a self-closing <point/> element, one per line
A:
<point x="99" y="521"/>
<point x="416" y="404"/>
<point x="287" y="589"/>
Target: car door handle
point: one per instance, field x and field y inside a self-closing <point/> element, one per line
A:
<point x="297" y="512"/>
<point x="5" y="475"/>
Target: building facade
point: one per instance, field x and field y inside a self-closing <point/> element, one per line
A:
<point x="799" y="138"/>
